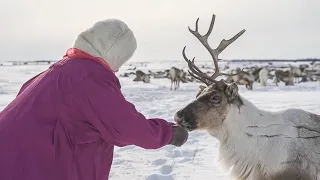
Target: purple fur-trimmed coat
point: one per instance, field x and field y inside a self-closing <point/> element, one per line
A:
<point x="65" y="122"/>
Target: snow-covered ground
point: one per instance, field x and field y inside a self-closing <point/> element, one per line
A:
<point x="197" y="159"/>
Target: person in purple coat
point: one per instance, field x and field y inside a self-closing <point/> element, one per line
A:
<point x="65" y="122"/>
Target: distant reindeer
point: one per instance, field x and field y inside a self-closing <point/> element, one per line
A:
<point x="243" y="78"/>
<point x="284" y="76"/>
<point x="255" y="73"/>
<point x="159" y="75"/>
<point x="141" y="76"/>
<point x="264" y="76"/>
<point x="296" y="73"/>
<point x="151" y="73"/>
<point x="176" y="75"/>
<point x="254" y="144"/>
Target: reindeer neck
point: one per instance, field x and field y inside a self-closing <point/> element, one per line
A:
<point x="240" y="143"/>
<point x="241" y="116"/>
<point x="247" y="114"/>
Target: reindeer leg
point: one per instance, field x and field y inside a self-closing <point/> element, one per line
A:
<point x="175" y="85"/>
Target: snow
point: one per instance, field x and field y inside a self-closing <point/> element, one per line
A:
<point x="195" y="160"/>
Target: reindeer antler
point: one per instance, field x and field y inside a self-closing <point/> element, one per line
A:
<point x="194" y="70"/>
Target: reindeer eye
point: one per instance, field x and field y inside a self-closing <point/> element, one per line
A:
<point x="215" y="99"/>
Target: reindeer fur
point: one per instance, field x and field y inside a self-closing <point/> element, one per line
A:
<point x="263" y="76"/>
<point x="262" y="145"/>
<point x="243" y="78"/>
<point x="176" y="75"/>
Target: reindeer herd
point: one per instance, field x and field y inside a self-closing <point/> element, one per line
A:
<point x="175" y="75"/>
<point x="288" y="75"/>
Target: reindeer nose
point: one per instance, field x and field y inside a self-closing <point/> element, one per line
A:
<point x="177" y="119"/>
<point x="178" y="116"/>
<point x="179" y="113"/>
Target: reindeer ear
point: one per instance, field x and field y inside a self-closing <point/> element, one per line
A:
<point x="232" y="91"/>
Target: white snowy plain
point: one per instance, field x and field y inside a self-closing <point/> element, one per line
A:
<point x="197" y="158"/>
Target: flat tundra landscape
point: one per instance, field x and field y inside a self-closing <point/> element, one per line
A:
<point x="153" y="96"/>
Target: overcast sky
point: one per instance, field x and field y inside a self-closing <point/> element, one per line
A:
<point x="45" y="29"/>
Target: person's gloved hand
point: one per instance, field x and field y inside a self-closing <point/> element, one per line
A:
<point x="179" y="135"/>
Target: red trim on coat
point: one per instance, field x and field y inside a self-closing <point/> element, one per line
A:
<point x="77" y="53"/>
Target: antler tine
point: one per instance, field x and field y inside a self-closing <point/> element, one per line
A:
<point x="204" y="41"/>
<point x="191" y="64"/>
<point x="213" y="52"/>
<point x="199" y="78"/>
<point x="225" y="43"/>
<point x="194" y="70"/>
<point x="203" y="38"/>
<point x="211" y="26"/>
<point x="197" y="25"/>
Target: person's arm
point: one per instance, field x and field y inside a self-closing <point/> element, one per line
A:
<point x="117" y="119"/>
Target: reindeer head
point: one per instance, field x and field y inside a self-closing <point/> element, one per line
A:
<point x="213" y="101"/>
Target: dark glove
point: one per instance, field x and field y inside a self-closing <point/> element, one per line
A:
<point x="179" y="135"/>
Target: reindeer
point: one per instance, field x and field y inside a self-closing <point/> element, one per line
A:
<point x="254" y="144"/>
<point x="284" y="76"/>
<point x="141" y="76"/>
<point x="264" y="76"/>
<point x="255" y="73"/>
<point x="176" y="75"/>
<point x="243" y="78"/>
<point x="296" y="72"/>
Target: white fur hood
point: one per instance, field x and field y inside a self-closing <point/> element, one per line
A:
<point x="110" y="39"/>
